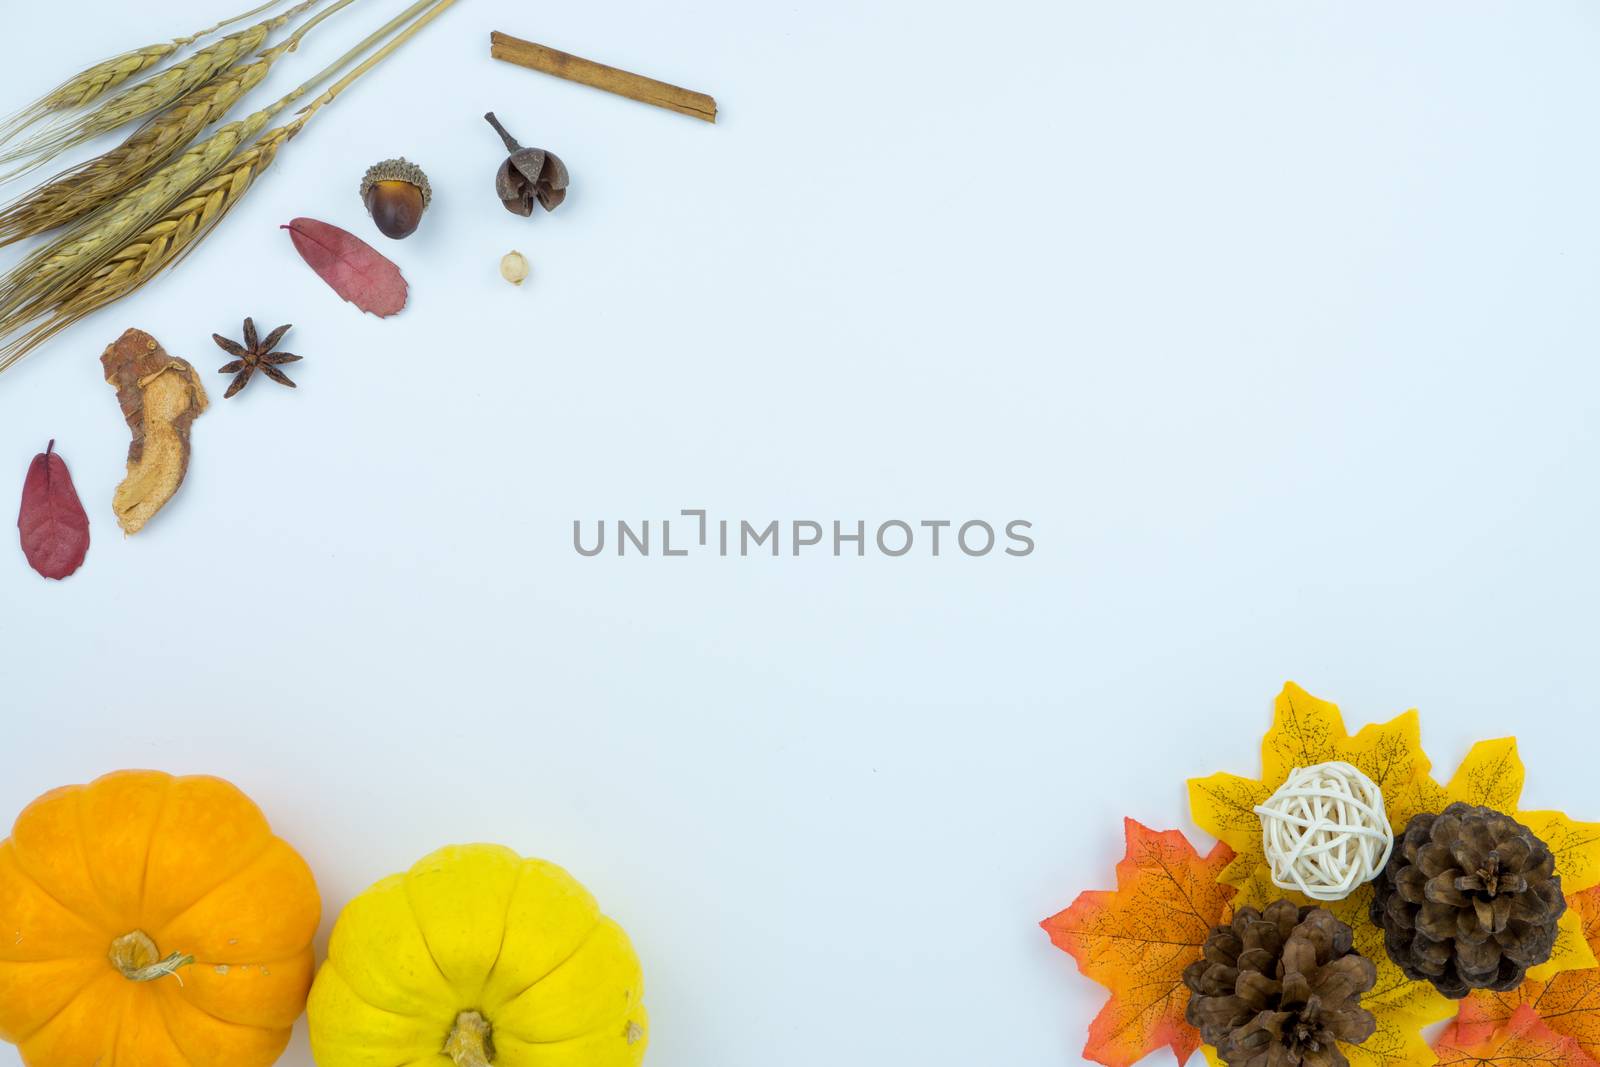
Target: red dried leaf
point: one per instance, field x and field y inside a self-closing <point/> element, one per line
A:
<point x="52" y="522"/>
<point x="356" y="271"/>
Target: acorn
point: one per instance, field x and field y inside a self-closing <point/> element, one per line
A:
<point x="396" y="193"/>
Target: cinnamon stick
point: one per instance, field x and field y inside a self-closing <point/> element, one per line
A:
<point x="588" y="72"/>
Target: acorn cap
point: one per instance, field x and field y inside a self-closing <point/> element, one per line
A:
<point x="397" y="170"/>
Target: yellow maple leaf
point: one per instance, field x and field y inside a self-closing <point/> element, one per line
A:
<point x="1491" y="776"/>
<point x="1397" y="1042"/>
<point x="1306" y="731"/>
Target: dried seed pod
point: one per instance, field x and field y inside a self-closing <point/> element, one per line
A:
<point x="396" y="193"/>
<point x="528" y="174"/>
<point x="514" y="267"/>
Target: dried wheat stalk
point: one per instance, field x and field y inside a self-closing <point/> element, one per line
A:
<point x="85" y="88"/>
<point x="160" y="245"/>
<point x="176" y="233"/>
<point x="39" y="280"/>
<point x="83" y="188"/>
<point x="152" y="94"/>
<point x="41" y="277"/>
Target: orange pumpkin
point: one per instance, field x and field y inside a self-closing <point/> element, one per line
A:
<point x="152" y="921"/>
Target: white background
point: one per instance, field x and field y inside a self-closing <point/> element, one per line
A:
<point x="1276" y="320"/>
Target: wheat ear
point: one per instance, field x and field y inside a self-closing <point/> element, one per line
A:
<point x="152" y="94"/>
<point x="88" y="86"/>
<point x="179" y="230"/>
<point x="83" y="188"/>
<point x="36" y="282"/>
<point x="30" y="288"/>
<point x="160" y="245"/>
<point x="80" y="190"/>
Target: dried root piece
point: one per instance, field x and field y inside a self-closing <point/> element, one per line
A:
<point x="161" y="396"/>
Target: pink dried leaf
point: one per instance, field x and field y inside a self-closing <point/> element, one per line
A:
<point x="354" y="269"/>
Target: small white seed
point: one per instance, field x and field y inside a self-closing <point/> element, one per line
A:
<point x="514" y="267"/>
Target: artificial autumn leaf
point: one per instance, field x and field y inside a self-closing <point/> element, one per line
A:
<point x="52" y="523"/>
<point x="1137" y="940"/>
<point x="354" y="269"/>
<point x="1492" y="775"/>
<point x="1524" y="1038"/>
<point x="1569" y="1002"/>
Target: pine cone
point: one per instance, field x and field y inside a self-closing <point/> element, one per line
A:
<point x="1469" y="900"/>
<point x="1280" y="988"/>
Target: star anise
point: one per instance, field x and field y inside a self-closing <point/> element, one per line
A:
<point x="256" y="354"/>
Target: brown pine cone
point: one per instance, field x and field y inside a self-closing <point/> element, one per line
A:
<point x="1280" y="988"/>
<point x="1469" y="900"/>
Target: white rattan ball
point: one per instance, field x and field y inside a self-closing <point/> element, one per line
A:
<point x="1325" y="831"/>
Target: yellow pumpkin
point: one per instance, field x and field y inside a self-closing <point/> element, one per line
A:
<point x="478" y="957"/>
<point x="152" y="921"/>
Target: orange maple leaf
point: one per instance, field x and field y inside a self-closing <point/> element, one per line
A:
<point x="1137" y="940"/>
<point x="1523" y="1039"/>
<point x="1568" y="1003"/>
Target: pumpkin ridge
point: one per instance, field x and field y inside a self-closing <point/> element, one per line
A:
<point x="576" y="1038"/>
<point x="172" y="1036"/>
<point x="102" y="909"/>
<point x="422" y="931"/>
<point x="165" y="1004"/>
<point x="623" y="1014"/>
<point x="568" y="958"/>
<point x="175" y="993"/>
<point x="272" y="1011"/>
<point x="333" y="962"/>
<point x="255" y="858"/>
<point x="505" y="929"/>
<point x="150" y="842"/>
<point x="78" y="793"/>
<point x="34" y="881"/>
<point x="115" y="1034"/>
<point x="223" y="863"/>
<point x="97" y="979"/>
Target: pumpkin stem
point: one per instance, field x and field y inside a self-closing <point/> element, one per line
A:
<point x="471" y="1042"/>
<point x="135" y="955"/>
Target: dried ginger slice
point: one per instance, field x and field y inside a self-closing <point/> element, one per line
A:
<point x="161" y="396"/>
